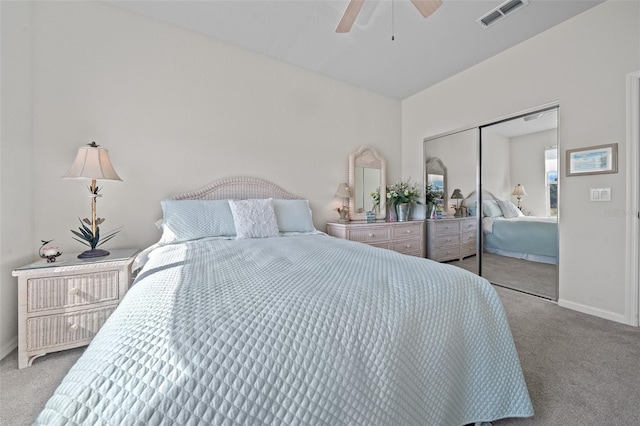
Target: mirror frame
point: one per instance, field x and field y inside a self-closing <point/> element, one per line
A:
<point x="435" y="161"/>
<point x="366" y="156"/>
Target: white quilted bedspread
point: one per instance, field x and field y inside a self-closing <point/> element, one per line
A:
<point x="301" y="330"/>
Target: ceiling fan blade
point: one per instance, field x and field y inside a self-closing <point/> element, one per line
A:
<point x="427" y="7"/>
<point x="350" y="15"/>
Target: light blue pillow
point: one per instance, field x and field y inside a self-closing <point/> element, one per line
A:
<point x="185" y="220"/>
<point x="508" y="209"/>
<point x="490" y="208"/>
<point x="293" y="216"/>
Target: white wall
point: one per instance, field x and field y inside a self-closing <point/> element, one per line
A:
<point x="176" y="110"/>
<point x="581" y="63"/>
<point x="528" y="169"/>
<point x="496" y="164"/>
<point x="17" y="241"/>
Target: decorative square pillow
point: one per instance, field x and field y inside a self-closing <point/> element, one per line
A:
<point x="254" y="219"/>
<point x="490" y="208"/>
<point x="293" y="216"/>
<point x="508" y="209"/>
<point x="185" y="220"/>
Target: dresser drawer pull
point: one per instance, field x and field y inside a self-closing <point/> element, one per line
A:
<point x="408" y="231"/>
<point x="73" y="327"/>
<point x="407" y="246"/>
<point x="447" y="227"/>
<point x="371" y="235"/>
<point x="448" y="240"/>
<point x="74" y="291"/>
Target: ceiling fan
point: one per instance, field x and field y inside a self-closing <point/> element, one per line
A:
<point x="426" y="8"/>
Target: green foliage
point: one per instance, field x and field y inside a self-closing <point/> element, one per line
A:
<point x="86" y="237"/>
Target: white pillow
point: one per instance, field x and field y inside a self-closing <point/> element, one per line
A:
<point x="490" y="208"/>
<point x="293" y="216"/>
<point x="508" y="209"/>
<point x="185" y="220"/>
<point x="254" y="219"/>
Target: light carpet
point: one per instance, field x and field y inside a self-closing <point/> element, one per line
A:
<point x="580" y="369"/>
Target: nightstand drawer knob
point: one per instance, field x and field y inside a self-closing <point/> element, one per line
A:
<point x="73" y="327"/>
<point x="74" y="291"/>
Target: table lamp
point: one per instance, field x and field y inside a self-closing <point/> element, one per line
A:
<point x="344" y="193"/>
<point x="457" y="195"/>
<point x="519" y="191"/>
<point x="92" y="163"/>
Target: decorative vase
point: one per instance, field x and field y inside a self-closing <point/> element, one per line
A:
<point x="431" y="211"/>
<point x="391" y="212"/>
<point x="403" y="211"/>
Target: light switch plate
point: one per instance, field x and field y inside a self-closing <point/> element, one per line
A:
<point x="600" y="194"/>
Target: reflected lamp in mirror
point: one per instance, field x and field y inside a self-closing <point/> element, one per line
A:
<point x="519" y="191"/>
<point x="457" y="195"/>
<point x="344" y="193"/>
<point x="92" y="163"/>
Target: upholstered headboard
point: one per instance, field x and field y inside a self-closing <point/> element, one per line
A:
<point x="237" y="188"/>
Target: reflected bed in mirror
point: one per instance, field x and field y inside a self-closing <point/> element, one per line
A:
<point x="367" y="173"/>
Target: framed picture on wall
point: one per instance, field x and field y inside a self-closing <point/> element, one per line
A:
<point x="592" y="160"/>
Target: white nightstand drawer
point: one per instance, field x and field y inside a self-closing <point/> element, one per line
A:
<point x="72" y="290"/>
<point x="57" y="330"/>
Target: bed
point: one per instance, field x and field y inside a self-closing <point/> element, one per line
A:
<point x="508" y="232"/>
<point x="523" y="237"/>
<point x="298" y="329"/>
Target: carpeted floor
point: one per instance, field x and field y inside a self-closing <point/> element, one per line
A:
<point x="535" y="278"/>
<point x="580" y="369"/>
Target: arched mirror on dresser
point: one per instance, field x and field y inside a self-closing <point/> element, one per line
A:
<point x="502" y="183"/>
<point x="367" y="173"/>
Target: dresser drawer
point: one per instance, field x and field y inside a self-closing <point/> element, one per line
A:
<point x="447" y="227"/>
<point x="73" y="290"/>
<point x="370" y="235"/>
<point x="469" y="225"/>
<point x="447" y="253"/>
<point x="468" y="238"/>
<point x="407" y="231"/>
<point x="468" y="250"/>
<point x="58" y="330"/>
<point x="413" y="247"/>
<point x="447" y="240"/>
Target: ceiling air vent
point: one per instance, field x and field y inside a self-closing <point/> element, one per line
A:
<point x="501" y="11"/>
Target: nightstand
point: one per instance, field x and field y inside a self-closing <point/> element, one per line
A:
<point x="62" y="305"/>
<point x="403" y="237"/>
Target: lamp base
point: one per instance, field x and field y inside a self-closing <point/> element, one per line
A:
<point x="89" y="254"/>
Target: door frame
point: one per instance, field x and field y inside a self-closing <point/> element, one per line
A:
<point x="633" y="200"/>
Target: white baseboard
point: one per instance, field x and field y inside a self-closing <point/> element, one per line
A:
<point x="8" y="347"/>
<point x="612" y="316"/>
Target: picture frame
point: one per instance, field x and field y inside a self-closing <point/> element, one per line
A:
<point x="593" y="160"/>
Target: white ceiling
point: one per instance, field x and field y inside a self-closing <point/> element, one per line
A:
<point x="424" y="52"/>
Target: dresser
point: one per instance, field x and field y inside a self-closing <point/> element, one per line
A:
<point x="62" y="305"/>
<point x="403" y="237"/>
<point x="451" y="238"/>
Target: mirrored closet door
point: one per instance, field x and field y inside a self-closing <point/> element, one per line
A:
<point x="502" y="184"/>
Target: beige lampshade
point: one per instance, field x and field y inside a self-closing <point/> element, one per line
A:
<point x="92" y="163"/>
<point x="457" y="195"/>
<point x="343" y="191"/>
<point x="519" y="190"/>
